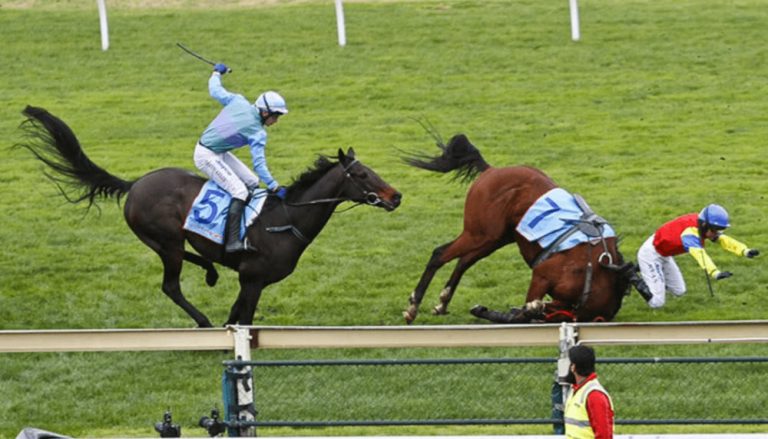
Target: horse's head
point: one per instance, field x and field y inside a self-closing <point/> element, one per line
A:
<point x="625" y="273"/>
<point x="332" y="182"/>
<point x="362" y="185"/>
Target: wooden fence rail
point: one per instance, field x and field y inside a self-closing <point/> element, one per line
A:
<point x="242" y="339"/>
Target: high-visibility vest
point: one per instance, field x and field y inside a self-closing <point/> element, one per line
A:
<point x="576" y="417"/>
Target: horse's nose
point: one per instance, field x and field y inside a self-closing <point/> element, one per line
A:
<point x="396" y="199"/>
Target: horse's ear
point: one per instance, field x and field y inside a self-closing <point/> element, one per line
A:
<point x="350" y="155"/>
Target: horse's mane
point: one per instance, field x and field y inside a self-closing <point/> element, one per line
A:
<point x="322" y="165"/>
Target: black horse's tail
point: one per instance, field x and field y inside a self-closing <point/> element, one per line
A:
<point x="54" y="144"/>
<point x="459" y="155"/>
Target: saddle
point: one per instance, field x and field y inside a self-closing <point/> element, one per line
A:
<point x="590" y="224"/>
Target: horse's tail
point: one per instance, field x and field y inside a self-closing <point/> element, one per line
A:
<point x="459" y="155"/>
<point x="53" y="143"/>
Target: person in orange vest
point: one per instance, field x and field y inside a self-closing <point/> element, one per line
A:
<point x="685" y="234"/>
<point x="589" y="410"/>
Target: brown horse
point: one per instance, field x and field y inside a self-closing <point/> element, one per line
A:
<point x="157" y="205"/>
<point x="586" y="282"/>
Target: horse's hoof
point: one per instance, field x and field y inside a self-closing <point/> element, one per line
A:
<point x="439" y="310"/>
<point x="535" y="306"/>
<point x="408" y="317"/>
<point x="478" y="310"/>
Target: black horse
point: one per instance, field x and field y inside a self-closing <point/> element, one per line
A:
<point x="157" y="204"/>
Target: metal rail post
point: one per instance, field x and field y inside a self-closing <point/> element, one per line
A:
<point x="561" y="388"/>
<point x="246" y="411"/>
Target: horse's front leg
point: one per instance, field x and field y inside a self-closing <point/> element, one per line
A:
<point x="234" y="311"/>
<point x="534" y="307"/>
<point x="244" y="308"/>
<point x="434" y="264"/>
<point x="515" y="315"/>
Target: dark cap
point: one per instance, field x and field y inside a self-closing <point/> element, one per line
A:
<point x="583" y="357"/>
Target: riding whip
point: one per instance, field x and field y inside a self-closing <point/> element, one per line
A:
<point x="709" y="284"/>
<point x="196" y="55"/>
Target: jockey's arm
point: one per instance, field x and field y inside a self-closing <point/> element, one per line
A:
<point x="692" y="244"/>
<point x="217" y="91"/>
<point x="732" y="245"/>
<point x="258" y="144"/>
<point x="702" y="258"/>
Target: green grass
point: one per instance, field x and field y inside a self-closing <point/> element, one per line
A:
<point x="659" y="110"/>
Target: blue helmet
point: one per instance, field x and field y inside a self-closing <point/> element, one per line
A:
<point x="714" y="216"/>
<point x="271" y="102"/>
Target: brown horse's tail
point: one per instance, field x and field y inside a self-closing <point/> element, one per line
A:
<point x="54" y="144"/>
<point x="459" y="155"/>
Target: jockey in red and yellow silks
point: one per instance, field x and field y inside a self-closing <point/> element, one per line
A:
<point x="685" y="234"/>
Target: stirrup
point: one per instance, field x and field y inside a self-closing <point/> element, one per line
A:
<point x="234" y="247"/>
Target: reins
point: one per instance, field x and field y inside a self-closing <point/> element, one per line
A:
<point x="290" y="227"/>
<point x="370" y="198"/>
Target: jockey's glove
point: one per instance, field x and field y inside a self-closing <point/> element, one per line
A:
<point x="221" y="68"/>
<point x="751" y="252"/>
<point x="280" y="192"/>
<point x="719" y="275"/>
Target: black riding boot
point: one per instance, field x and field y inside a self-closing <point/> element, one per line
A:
<point x="637" y="281"/>
<point x="232" y="232"/>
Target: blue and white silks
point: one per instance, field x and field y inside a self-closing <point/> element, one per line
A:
<point x="552" y="215"/>
<point x="208" y="215"/>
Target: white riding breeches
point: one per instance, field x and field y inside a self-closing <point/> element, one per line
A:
<point x="660" y="273"/>
<point x="227" y="171"/>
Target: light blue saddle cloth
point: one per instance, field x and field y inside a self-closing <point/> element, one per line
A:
<point x="208" y="215"/>
<point x="553" y="214"/>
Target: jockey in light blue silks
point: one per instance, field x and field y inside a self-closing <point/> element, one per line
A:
<point x="238" y="124"/>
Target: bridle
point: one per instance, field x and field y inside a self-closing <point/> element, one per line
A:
<point x="368" y="197"/>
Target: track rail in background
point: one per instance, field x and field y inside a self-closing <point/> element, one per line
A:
<point x="105" y="340"/>
<point x="314" y="337"/>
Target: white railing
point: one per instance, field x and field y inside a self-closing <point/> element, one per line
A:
<point x="241" y="339"/>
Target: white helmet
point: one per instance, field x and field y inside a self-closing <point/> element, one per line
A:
<point x="271" y="102"/>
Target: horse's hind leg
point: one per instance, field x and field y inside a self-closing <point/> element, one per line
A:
<point x="446" y="294"/>
<point x="172" y="288"/>
<point x="211" y="275"/>
<point x="434" y="264"/>
<point x="466" y="261"/>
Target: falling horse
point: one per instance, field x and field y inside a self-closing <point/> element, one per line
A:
<point x="157" y="205"/>
<point x="586" y="281"/>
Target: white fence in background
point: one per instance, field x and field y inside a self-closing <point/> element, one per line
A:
<point x="103" y="24"/>
<point x="340" y="22"/>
